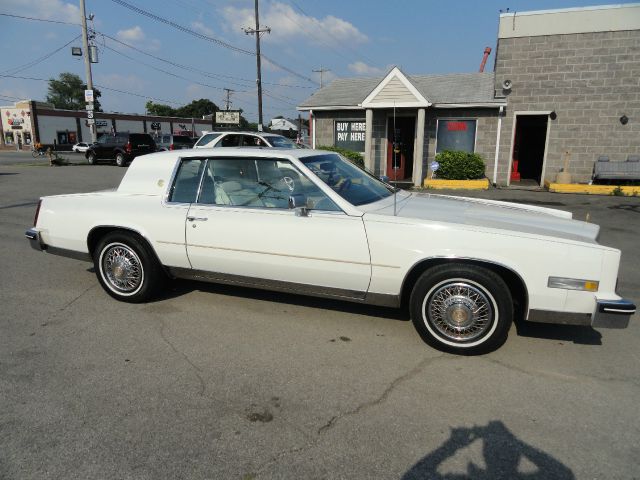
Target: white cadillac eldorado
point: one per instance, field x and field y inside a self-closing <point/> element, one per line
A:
<point x="310" y="222"/>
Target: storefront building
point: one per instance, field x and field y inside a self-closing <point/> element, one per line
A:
<point x="565" y="90"/>
<point x="28" y="122"/>
<point x="401" y="122"/>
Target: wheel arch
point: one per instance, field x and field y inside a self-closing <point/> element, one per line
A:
<point x="513" y="279"/>
<point x="97" y="232"/>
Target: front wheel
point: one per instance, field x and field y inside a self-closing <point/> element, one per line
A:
<point x="120" y="160"/>
<point x="464" y="309"/>
<point x="91" y="158"/>
<point x="126" y="268"/>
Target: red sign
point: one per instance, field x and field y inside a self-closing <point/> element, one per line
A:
<point x="456" y="126"/>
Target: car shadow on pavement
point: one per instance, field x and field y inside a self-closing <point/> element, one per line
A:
<point x="505" y="456"/>
<point x="581" y="335"/>
<point x="181" y="287"/>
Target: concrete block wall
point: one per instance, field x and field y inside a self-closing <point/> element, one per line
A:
<point x="590" y="80"/>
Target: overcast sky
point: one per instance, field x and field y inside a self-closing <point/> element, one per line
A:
<point x="351" y="38"/>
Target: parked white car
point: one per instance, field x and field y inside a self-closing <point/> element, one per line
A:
<point x="243" y="139"/>
<point x="80" y="147"/>
<point x="310" y="222"/>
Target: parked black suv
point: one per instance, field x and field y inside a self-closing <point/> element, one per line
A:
<point x="121" y="147"/>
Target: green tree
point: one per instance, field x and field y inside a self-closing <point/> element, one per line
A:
<point x="197" y="109"/>
<point x="159" y="109"/>
<point x="67" y="92"/>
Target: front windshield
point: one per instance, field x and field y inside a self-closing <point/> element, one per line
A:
<point x="280" y="142"/>
<point x="350" y="182"/>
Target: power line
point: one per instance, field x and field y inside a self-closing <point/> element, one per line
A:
<point x="215" y="76"/>
<point x="39" y="19"/>
<point x="38" y="60"/>
<point x="157" y="18"/>
<point x="184" y="78"/>
<point x="162" y="70"/>
<point x="208" y="38"/>
<point x="321" y="71"/>
<point x="102" y="87"/>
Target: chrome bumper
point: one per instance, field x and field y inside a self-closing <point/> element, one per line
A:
<point x="34" y="239"/>
<point x="613" y="313"/>
<point x="608" y="314"/>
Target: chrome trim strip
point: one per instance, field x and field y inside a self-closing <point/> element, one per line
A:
<point x="562" y="318"/>
<point x="277" y="254"/>
<point x="63" y="252"/>
<point x="613" y="313"/>
<point x="268" y="284"/>
<point x="623" y="306"/>
<point x="618" y="310"/>
<point x="35" y="241"/>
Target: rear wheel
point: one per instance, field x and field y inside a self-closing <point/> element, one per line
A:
<point x="464" y="309"/>
<point x="120" y="160"/>
<point x="91" y="158"/>
<point x="126" y="267"/>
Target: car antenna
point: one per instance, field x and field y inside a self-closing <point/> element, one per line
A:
<point x="393" y="161"/>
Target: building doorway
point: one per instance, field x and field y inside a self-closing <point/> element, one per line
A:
<point x="529" y="142"/>
<point x="400" y="143"/>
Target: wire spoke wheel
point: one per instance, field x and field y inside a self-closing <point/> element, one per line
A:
<point x="460" y="311"/>
<point x="122" y="268"/>
<point x="461" y="308"/>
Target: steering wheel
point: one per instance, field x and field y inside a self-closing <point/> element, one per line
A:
<point x="290" y="183"/>
<point x="344" y="185"/>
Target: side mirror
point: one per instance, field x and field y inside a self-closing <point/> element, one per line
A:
<point x="384" y="178"/>
<point x="298" y="202"/>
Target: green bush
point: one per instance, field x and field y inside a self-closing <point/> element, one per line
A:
<point x="354" y="157"/>
<point x="456" y="165"/>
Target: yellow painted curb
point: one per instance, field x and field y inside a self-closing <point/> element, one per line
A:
<point x="482" y="184"/>
<point x="589" y="189"/>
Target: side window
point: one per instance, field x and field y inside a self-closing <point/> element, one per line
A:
<point x="253" y="141"/>
<point x="103" y="139"/>
<point x="260" y="183"/>
<point x="185" y="186"/>
<point x="230" y="141"/>
<point x="208" y="137"/>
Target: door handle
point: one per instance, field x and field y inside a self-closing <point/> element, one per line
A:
<point x="197" y="219"/>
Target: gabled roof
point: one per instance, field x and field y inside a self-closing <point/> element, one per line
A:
<point x="439" y="90"/>
<point x="395" y="90"/>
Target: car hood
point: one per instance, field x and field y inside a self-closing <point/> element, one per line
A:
<point x="487" y="214"/>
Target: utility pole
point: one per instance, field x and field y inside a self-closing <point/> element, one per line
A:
<point x="321" y="71"/>
<point x="257" y="31"/>
<point x="227" y="100"/>
<point x="87" y="63"/>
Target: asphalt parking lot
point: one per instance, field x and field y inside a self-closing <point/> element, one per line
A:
<point x="215" y="382"/>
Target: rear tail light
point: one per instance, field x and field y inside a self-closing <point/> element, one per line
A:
<point x="171" y="147"/>
<point x="128" y="147"/>
<point x="35" y="218"/>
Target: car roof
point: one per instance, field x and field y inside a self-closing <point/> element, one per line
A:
<point x="264" y="134"/>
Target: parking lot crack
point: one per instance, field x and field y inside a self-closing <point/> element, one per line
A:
<point x="196" y="370"/>
<point x="562" y="376"/>
<point x="382" y="397"/>
<point x="51" y="320"/>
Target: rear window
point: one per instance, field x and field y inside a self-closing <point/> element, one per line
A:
<point x="280" y="142"/>
<point x="138" y="138"/>
<point x="182" y="139"/>
<point x="206" y="138"/>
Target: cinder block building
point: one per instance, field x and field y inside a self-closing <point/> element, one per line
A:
<point x="565" y="90"/>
